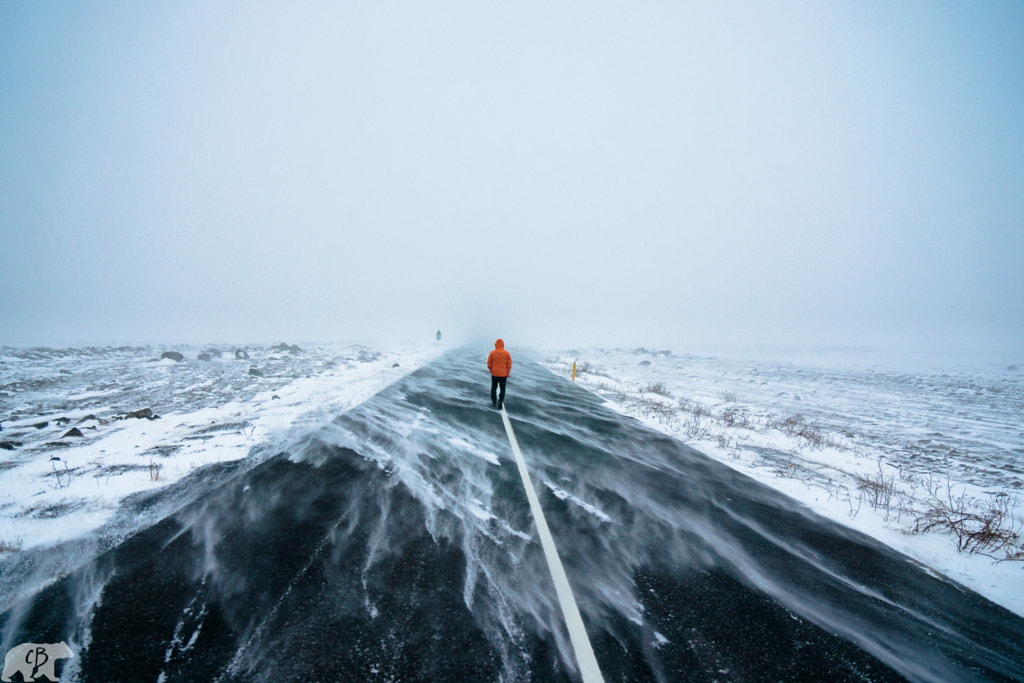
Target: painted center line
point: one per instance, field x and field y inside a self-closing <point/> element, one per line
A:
<point x="585" y="659"/>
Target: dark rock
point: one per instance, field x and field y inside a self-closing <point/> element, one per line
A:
<point x="58" y="444"/>
<point x="204" y="356"/>
<point x="42" y="425"/>
<point x="275" y="397"/>
<point x="74" y="431"/>
<point x="173" y="355"/>
<point x="214" y="352"/>
<point x="10" y="445"/>
<point x="63" y="420"/>
<point x="285" y="347"/>
<point x="65" y="372"/>
<point x="255" y="372"/>
<point x="395" y="365"/>
<point x="645" y="363"/>
<point x="241" y="355"/>
<point x="90" y="416"/>
<point x="141" y="413"/>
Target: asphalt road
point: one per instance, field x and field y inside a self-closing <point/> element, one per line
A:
<point x="396" y="544"/>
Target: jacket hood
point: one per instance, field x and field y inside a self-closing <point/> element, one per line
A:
<point x="500" y="344"/>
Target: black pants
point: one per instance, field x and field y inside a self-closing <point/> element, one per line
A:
<point x="495" y="383"/>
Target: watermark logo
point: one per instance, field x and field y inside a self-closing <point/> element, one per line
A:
<point x="34" y="660"/>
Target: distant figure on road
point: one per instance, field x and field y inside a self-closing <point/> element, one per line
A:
<point x="500" y="364"/>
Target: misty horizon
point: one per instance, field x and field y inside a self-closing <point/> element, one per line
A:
<point x="670" y="176"/>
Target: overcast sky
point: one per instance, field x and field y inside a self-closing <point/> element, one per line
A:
<point x="584" y="173"/>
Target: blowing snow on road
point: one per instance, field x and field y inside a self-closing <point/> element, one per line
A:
<point x="396" y="542"/>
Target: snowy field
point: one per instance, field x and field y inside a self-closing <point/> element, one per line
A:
<point x="84" y="428"/>
<point x="923" y="452"/>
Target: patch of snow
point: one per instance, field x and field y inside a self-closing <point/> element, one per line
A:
<point x="827" y="428"/>
<point x="562" y="494"/>
<point x="54" y="489"/>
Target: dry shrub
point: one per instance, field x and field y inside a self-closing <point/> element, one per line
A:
<point x="984" y="527"/>
<point x="695" y="408"/>
<point x="586" y="367"/>
<point x="649" y="407"/>
<point x="10" y="546"/>
<point x="879" y="489"/>
<point x="656" y="388"/>
<point x="696" y="426"/>
<point x="790" y="425"/>
<point x="734" y="416"/>
<point x="794" y="425"/>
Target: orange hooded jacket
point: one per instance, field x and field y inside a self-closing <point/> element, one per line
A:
<point x="499" y="362"/>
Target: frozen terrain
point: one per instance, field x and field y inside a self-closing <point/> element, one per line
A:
<point x="349" y="513"/>
<point x="56" y="487"/>
<point x="881" y="442"/>
<point x="362" y="543"/>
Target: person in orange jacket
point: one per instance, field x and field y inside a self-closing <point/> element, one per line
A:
<point x="499" y="362"/>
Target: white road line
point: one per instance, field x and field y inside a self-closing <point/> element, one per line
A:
<point x="589" y="669"/>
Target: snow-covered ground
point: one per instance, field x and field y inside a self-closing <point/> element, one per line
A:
<point x="882" y="444"/>
<point x="885" y="444"/>
<point x="56" y="486"/>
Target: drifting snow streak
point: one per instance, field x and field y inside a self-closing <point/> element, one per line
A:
<point x="561" y="494"/>
<point x="393" y="543"/>
<point x="243" y="656"/>
<point x="589" y="669"/>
